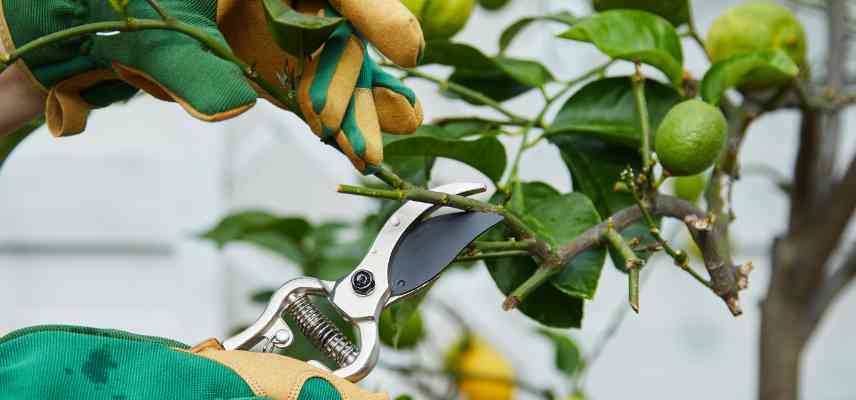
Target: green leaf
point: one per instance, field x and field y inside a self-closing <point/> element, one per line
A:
<point x="500" y="78"/>
<point x="281" y="235"/>
<point x="733" y="71"/>
<point x="511" y="32"/>
<point x="675" y="11"/>
<point x="547" y="305"/>
<point x="401" y="325"/>
<point x="527" y="72"/>
<point x="595" y="167"/>
<point x="606" y="109"/>
<point x="456" y="55"/>
<point x="458" y="128"/>
<point x="560" y="220"/>
<point x="486" y="154"/>
<point x="568" y="358"/>
<point x="11" y="141"/>
<point x="556" y="218"/>
<point x="495" y="84"/>
<point x="297" y="33"/>
<point x="634" y="36"/>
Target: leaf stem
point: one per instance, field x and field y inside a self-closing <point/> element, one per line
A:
<point x="159" y="9"/>
<point x="638" y="82"/>
<point x="517" y="296"/>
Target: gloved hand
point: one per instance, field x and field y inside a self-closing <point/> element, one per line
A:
<point x="95" y="71"/>
<point x="67" y="362"/>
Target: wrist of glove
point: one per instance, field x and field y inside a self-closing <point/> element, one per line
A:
<point x="346" y="99"/>
<point x="85" y="363"/>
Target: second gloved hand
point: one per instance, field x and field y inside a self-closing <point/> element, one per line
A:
<point x="94" y="71"/>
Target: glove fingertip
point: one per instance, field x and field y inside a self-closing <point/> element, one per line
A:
<point x="395" y="113"/>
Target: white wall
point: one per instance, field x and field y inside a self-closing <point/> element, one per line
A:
<point x="146" y="174"/>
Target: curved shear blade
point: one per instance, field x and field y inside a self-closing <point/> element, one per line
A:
<point x="430" y="246"/>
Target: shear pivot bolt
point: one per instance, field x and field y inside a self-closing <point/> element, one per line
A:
<point x="363" y="282"/>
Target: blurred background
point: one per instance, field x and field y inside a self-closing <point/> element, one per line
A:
<point x="101" y="230"/>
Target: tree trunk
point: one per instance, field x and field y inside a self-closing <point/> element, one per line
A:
<point x="785" y="328"/>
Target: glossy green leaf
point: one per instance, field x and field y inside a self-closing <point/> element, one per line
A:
<point x="458" y="128"/>
<point x="527" y="72"/>
<point x="675" y="11"/>
<point x="485" y="154"/>
<point x="456" y="55"/>
<point x="11" y="141"/>
<point x="547" y="305"/>
<point x="560" y="220"/>
<point x="493" y="5"/>
<point x="567" y="357"/>
<point x="606" y="109"/>
<point x="261" y="228"/>
<point x="495" y="84"/>
<point x="634" y="36"/>
<point x="511" y="32"/>
<point x="500" y="78"/>
<point x="556" y="218"/>
<point x="297" y="33"/>
<point x="733" y="71"/>
<point x="401" y="326"/>
<point x="595" y="168"/>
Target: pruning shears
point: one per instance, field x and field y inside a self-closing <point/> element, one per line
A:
<point x="412" y="248"/>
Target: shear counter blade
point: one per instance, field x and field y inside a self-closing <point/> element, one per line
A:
<point x="430" y="246"/>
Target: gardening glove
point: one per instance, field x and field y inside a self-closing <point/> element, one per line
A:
<point x="350" y="101"/>
<point x="96" y="70"/>
<point x="68" y="362"/>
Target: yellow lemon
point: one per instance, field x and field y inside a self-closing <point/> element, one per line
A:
<point x="754" y="26"/>
<point x="483" y="373"/>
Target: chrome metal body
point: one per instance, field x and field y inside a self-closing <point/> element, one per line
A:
<point x="361" y="308"/>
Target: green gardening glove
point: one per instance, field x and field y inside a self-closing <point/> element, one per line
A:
<point x="71" y="363"/>
<point x="95" y="70"/>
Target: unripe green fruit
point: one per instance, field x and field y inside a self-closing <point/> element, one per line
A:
<point x="690" y="137"/>
<point x="409" y="336"/>
<point x="689" y="188"/>
<point x="755" y="26"/>
<point x="441" y="19"/>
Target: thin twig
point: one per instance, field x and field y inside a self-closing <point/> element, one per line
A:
<point x="634" y="263"/>
<point x="492" y="255"/>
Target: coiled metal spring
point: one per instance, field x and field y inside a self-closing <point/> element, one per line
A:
<point x="325" y="335"/>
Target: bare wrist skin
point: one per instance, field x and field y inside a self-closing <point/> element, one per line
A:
<point x="20" y="100"/>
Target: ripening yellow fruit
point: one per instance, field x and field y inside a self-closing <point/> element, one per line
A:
<point x="472" y="357"/>
<point x="753" y="26"/>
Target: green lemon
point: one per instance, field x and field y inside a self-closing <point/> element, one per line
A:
<point x="415" y="6"/>
<point x="407" y="337"/>
<point x="442" y="19"/>
<point x="690" y="137"/>
<point x="493" y="4"/>
<point x="689" y="188"/>
<point x="675" y="11"/>
<point x="754" y="26"/>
